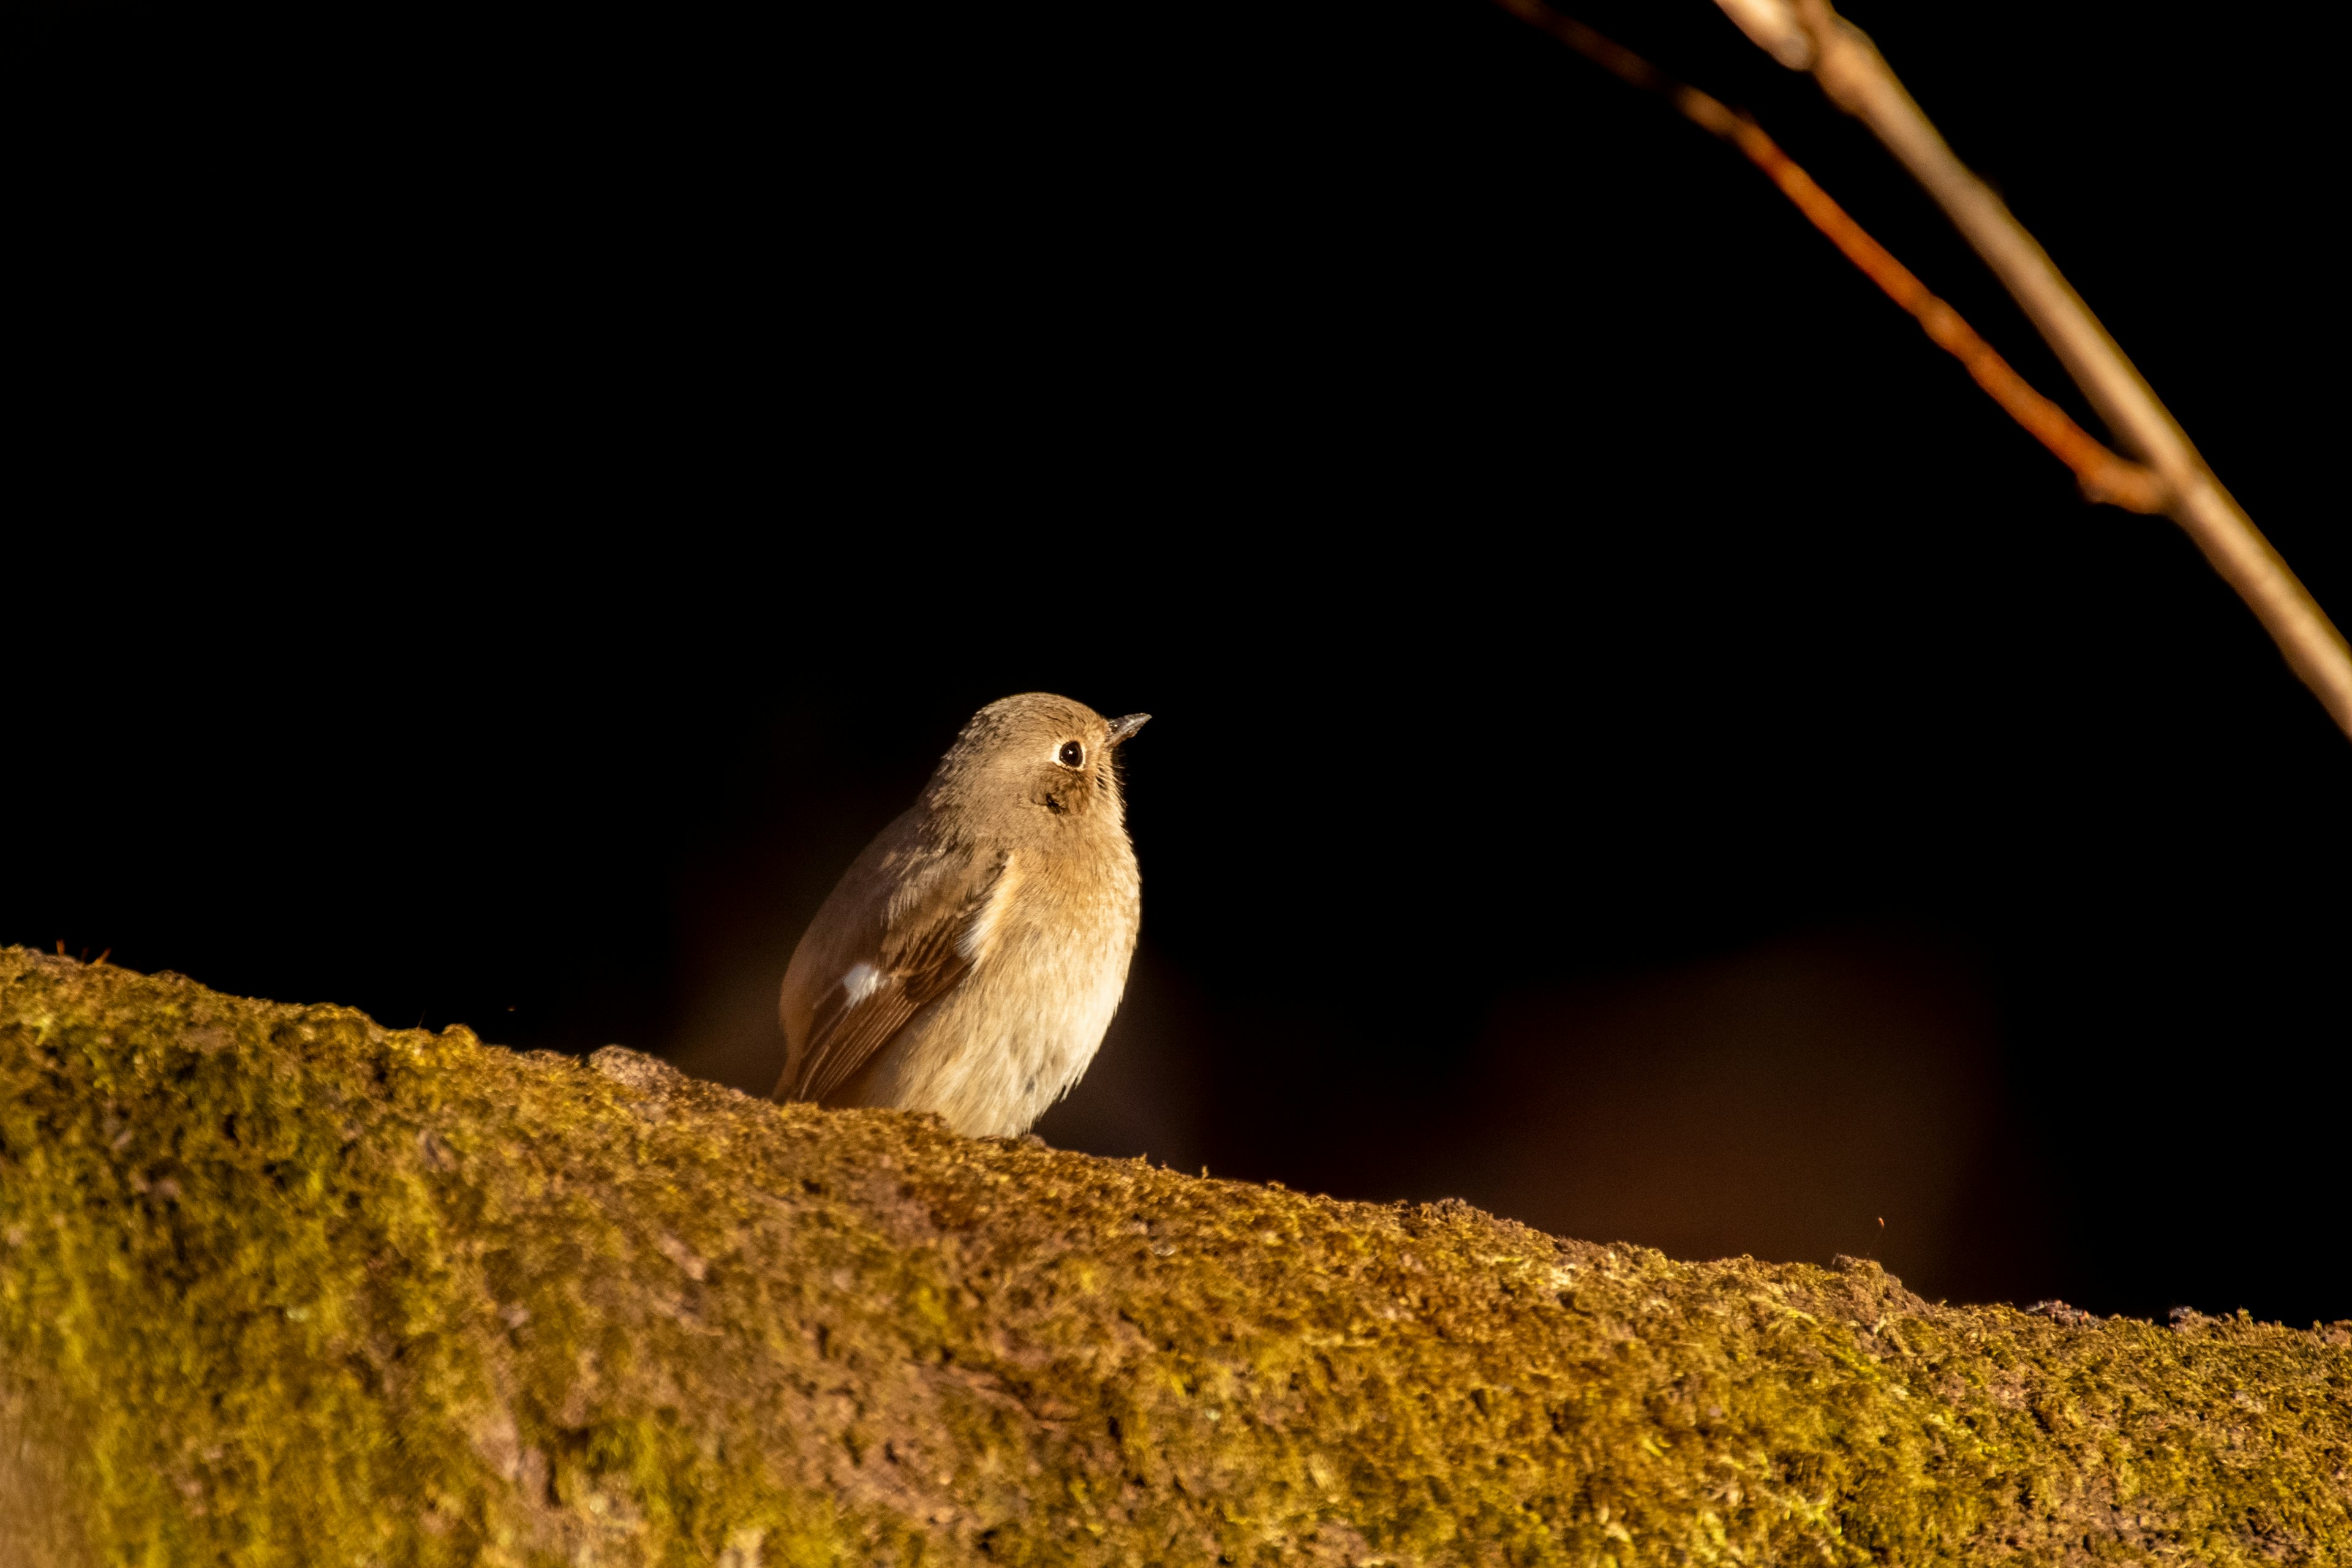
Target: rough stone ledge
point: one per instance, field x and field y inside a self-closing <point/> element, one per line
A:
<point x="278" y="1285"/>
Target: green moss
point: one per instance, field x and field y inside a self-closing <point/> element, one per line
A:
<point x="277" y="1285"/>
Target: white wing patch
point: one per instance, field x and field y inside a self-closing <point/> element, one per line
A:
<point x="980" y="935"/>
<point x="860" y="983"/>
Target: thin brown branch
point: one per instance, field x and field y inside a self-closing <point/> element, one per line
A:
<point x="2104" y="476"/>
<point x="2173" y="478"/>
<point x="1857" y="78"/>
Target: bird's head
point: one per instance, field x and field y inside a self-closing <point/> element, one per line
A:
<point x="1037" y="753"/>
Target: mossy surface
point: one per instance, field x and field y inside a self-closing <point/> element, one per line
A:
<point x="277" y="1285"/>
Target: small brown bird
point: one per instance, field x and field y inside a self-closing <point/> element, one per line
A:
<point x="970" y="960"/>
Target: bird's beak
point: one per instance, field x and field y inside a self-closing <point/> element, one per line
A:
<point x="1123" y="729"/>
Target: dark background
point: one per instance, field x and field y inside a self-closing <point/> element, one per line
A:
<point x="501" y="510"/>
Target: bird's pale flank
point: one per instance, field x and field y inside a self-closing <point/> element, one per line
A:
<point x="970" y="960"/>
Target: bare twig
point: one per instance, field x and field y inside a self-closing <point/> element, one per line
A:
<point x="2104" y="476"/>
<point x="1809" y="35"/>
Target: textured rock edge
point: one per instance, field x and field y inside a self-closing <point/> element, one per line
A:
<point x="279" y="1284"/>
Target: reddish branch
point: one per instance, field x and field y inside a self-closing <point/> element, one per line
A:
<point x="1856" y="78"/>
<point x="2171" y="477"/>
<point x="2104" y="476"/>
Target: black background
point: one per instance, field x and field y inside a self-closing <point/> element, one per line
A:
<point x="501" y="509"/>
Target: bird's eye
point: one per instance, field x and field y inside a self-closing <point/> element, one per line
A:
<point x="1073" y="755"/>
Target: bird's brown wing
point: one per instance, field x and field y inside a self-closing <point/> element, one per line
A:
<point x="929" y="944"/>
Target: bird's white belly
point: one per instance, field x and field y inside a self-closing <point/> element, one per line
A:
<point x="1014" y="1034"/>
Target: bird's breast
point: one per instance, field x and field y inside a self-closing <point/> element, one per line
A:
<point x="1027" y="1018"/>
